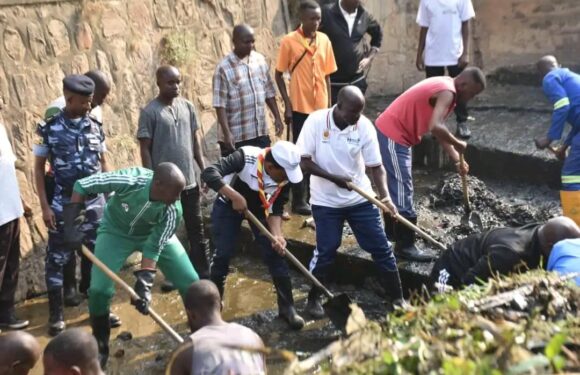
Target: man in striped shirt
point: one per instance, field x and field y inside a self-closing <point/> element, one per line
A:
<point x="142" y="215"/>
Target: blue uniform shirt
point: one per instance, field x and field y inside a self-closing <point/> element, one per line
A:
<point x="73" y="148"/>
<point x="565" y="258"/>
<point x="562" y="87"/>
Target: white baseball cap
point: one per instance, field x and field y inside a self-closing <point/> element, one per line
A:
<point x="287" y="155"/>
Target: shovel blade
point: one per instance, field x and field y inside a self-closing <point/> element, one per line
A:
<point x="338" y="310"/>
<point x="472" y="220"/>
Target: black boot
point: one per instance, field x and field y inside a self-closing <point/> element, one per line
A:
<point x="299" y="204"/>
<point x="405" y="247"/>
<point x="286" y="308"/>
<point x="391" y="283"/>
<point x="71" y="297"/>
<point x="219" y="281"/>
<point x="102" y="332"/>
<point x="55" y="310"/>
<point x="314" y="304"/>
<point x="389" y="226"/>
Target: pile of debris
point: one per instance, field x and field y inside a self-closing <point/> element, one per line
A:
<point x="529" y="323"/>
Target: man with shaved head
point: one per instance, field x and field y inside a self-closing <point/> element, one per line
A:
<point x="500" y="251"/>
<point x="242" y="87"/>
<point x="19" y="352"/>
<point x="337" y="145"/>
<point x="142" y="215"/>
<point x="421" y="109"/>
<point x="562" y="87"/>
<point x="169" y="132"/>
<point x="212" y="345"/>
<point x="73" y="352"/>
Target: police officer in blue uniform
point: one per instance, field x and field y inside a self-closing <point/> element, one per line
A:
<point x="74" y="143"/>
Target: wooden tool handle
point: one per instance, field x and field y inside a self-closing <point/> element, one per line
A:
<point x="464" y="185"/>
<point x="254" y="220"/>
<point x="398" y="217"/>
<point x="166" y="327"/>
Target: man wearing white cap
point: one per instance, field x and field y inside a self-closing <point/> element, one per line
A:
<point x="257" y="180"/>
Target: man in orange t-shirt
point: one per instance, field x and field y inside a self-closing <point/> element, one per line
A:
<point x="308" y="57"/>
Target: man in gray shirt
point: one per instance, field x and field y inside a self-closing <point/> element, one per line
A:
<point x="168" y="133"/>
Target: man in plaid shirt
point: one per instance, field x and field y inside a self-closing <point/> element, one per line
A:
<point x="241" y="86"/>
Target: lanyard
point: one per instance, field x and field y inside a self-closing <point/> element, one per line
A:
<point x="306" y="45"/>
<point x="266" y="203"/>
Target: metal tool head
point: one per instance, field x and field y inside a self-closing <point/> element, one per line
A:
<point x="338" y="310"/>
<point x="472" y="220"/>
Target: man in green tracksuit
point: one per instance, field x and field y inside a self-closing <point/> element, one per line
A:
<point x="141" y="215"/>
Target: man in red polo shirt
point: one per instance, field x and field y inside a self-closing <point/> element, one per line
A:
<point x="421" y="109"/>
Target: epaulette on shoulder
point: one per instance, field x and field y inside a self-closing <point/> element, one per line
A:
<point x="95" y="119"/>
<point x="48" y="121"/>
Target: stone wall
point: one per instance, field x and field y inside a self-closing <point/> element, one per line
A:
<point x="127" y="39"/>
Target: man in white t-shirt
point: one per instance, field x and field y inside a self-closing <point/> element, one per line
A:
<point x="11" y="209"/>
<point x="444" y="44"/>
<point x="337" y="144"/>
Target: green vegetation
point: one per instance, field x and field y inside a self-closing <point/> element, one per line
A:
<point x="178" y="48"/>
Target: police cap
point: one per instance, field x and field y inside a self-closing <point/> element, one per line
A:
<point x="78" y="84"/>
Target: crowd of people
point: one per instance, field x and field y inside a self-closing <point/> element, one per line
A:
<point x="321" y="75"/>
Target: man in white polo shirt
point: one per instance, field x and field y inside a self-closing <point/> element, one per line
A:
<point x="337" y="144"/>
<point x="444" y="44"/>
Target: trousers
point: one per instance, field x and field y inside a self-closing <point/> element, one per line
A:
<point x="9" y="264"/>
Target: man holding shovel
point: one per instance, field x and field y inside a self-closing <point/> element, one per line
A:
<point x="142" y="215"/>
<point x="337" y="144"/>
<point x="421" y="109"/>
<point x="255" y="180"/>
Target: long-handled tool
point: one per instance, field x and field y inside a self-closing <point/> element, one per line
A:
<point x="471" y="218"/>
<point x="162" y="323"/>
<point x="398" y="217"/>
<point x="337" y="307"/>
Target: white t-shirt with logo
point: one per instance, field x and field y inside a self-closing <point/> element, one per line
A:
<point x="444" y="18"/>
<point x="10" y="203"/>
<point x="341" y="152"/>
<point x="59" y="103"/>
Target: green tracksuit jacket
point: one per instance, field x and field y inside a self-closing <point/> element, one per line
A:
<point x="129" y="212"/>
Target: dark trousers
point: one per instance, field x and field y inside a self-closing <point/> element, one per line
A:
<point x="453" y="70"/>
<point x="190" y="201"/>
<point x="9" y="264"/>
<point x="365" y="222"/>
<point x="335" y="88"/>
<point x="298" y="120"/>
<point x="226" y="228"/>
<point x="262" y="142"/>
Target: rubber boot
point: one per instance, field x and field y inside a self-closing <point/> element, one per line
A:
<point x="391" y="283"/>
<point x="299" y="204"/>
<point x="389" y="226"/>
<point x="405" y="246"/>
<point x="286" y="308"/>
<point x="102" y="332"/>
<point x="219" y="281"/>
<point x="114" y="320"/>
<point x="55" y="310"/>
<point x="314" y="304"/>
<point x="71" y="297"/>
<point x="85" y="282"/>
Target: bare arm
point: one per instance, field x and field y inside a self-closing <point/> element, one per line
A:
<point x="380" y="179"/>
<point x="181" y="360"/>
<point x="464" y="59"/>
<point x="287" y="103"/>
<point x="310" y="167"/>
<point x="145" y="150"/>
<point x="47" y="213"/>
<point x="271" y="102"/>
<point x="443" y="101"/>
<point x="421" y="49"/>
<point x="222" y="118"/>
<point x="105" y="165"/>
<point x="197" y="151"/>
<point x="328" y="88"/>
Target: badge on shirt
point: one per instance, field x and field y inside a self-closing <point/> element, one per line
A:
<point x="125" y="207"/>
<point x="326" y="135"/>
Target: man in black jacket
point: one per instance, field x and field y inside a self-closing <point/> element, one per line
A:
<point x="500" y="251"/>
<point x="257" y="180"/>
<point x="346" y="22"/>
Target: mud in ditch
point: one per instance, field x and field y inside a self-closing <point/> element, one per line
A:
<point x="249" y="299"/>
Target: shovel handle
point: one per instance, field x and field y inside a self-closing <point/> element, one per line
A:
<point x="464" y="185"/>
<point x="398" y="217"/>
<point x="162" y="323"/>
<point x="254" y="220"/>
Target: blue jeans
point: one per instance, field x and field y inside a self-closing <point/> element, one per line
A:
<point x="226" y="225"/>
<point x="398" y="162"/>
<point x="365" y="222"/>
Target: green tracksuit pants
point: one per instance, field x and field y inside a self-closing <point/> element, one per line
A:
<point x="113" y="250"/>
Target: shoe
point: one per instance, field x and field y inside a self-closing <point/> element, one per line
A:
<point x="286" y="308"/>
<point x="299" y="204"/>
<point x="114" y="321"/>
<point x="102" y="332"/>
<point x="405" y="246"/>
<point x="286" y="216"/>
<point x="314" y="304"/>
<point x="463" y="130"/>
<point x="167" y="286"/>
<point x="55" y="310"/>
<point x="10" y="321"/>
